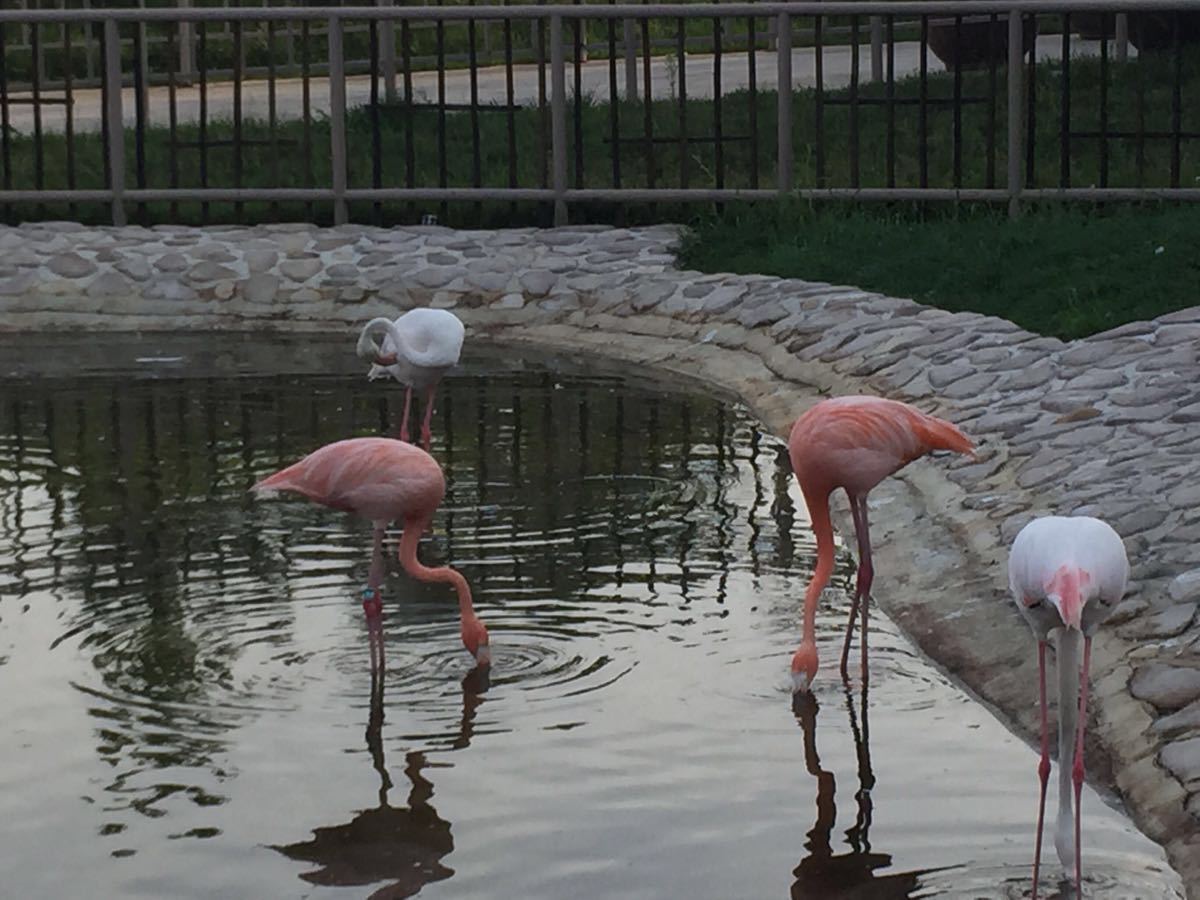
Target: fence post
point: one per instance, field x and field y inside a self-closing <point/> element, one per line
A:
<point x="187" y="61"/>
<point x="113" y="116"/>
<point x="629" y="39"/>
<point x="558" y="119"/>
<point x="1122" y="36"/>
<point x="877" y="48"/>
<point x="387" y="54"/>
<point x="1016" y="109"/>
<point x="783" y="61"/>
<point x="337" y="120"/>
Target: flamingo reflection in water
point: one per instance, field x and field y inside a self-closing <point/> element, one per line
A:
<point x="400" y="845"/>
<point x="823" y="874"/>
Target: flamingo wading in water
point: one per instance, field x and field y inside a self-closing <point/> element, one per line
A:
<point x="853" y="443"/>
<point x="417" y="350"/>
<point x="383" y="480"/>
<point x="1066" y="574"/>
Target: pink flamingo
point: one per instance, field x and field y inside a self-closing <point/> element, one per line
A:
<point x="1066" y="575"/>
<point x="382" y="479"/>
<point x="853" y="443"/>
<point x="418" y="349"/>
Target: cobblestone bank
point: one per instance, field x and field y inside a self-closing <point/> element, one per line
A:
<point x="1109" y="425"/>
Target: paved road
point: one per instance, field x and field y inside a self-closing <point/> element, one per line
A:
<point x="698" y="70"/>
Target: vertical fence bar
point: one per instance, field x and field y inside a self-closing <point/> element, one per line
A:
<point x="752" y="86"/>
<point x="69" y="112"/>
<point x="306" y="111"/>
<point x="578" y="53"/>
<point x="239" y="62"/>
<point x="877" y="48"/>
<point x="784" y="161"/>
<point x="647" y="104"/>
<point x="141" y="96"/>
<point x="5" y="129"/>
<point x="443" y="162"/>
<point x="376" y="137"/>
<point x="173" y="118"/>
<point x="614" y="105"/>
<point x="187" y="56"/>
<point x="410" y="154"/>
<point x="854" y="64"/>
<point x="272" y="113"/>
<point x="35" y="85"/>
<point x="1176" y="97"/>
<point x="718" y="121"/>
<point x="202" y="131"/>
<point x="993" y="21"/>
<point x="337" y="121"/>
<point x="510" y="101"/>
<point x="890" y="99"/>
<point x="113" y="116"/>
<point x="1064" y="129"/>
<point x="543" y="136"/>
<point x="558" y="119"/>
<point x="473" y="76"/>
<point x="1121" y="35"/>
<point x="1030" y="104"/>
<point x="681" y="53"/>
<point x="819" y="72"/>
<point x="958" y="104"/>
<point x="387" y="48"/>
<point x="1016" y="116"/>
<point x="923" y="106"/>
<point x="1104" y="100"/>
<point x="629" y="42"/>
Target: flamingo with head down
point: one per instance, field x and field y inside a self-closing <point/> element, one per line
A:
<point x="1066" y="574"/>
<point x="853" y="443"/>
<point x="383" y="480"/>
<point x="417" y="350"/>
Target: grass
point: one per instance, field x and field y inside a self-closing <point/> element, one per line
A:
<point x="1067" y="272"/>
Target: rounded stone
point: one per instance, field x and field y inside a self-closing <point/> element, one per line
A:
<point x="172" y="262"/>
<point x="109" y="284"/>
<point x="210" y="271"/>
<point x="1185" y="587"/>
<point x="260" y="260"/>
<point x="1183" y="759"/>
<point x="300" y="270"/>
<point x="136" y="268"/>
<point x="1167" y="687"/>
<point x="71" y="265"/>
<point x="538" y="282"/>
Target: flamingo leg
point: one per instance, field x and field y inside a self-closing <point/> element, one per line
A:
<point x="862" y="584"/>
<point x="426" y="434"/>
<point x="1077" y="768"/>
<point x="372" y="600"/>
<point x="1043" y="767"/>
<point x="404" y="415"/>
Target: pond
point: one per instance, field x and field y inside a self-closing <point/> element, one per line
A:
<point x="186" y="673"/>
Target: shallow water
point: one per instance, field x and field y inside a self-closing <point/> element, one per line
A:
<point x="186" y="674"/>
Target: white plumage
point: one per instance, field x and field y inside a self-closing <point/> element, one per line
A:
<point x="1066" y="574"/>
<point x="417" y="350"/>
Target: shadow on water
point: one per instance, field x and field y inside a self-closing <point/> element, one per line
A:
<point x="400" y="845"/>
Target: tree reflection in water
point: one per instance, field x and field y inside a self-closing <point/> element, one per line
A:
<point x="400" y="845"/>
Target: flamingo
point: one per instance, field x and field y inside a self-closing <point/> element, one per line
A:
<point x="853" y="443"/>
<point x="417" y="350"/>
<point x="1066" y="574"/>
<point x="382" y="479"/>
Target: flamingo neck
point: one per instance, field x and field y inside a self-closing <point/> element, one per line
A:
<point x="413" y="529"/>
<point x="1070" y="641"/>
<point x="822" y="526"/>
<point x="366" y="346"/>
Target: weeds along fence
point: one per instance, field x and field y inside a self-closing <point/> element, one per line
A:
<point x="602" y="112"/>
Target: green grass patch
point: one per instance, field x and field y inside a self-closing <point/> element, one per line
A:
<point x="1067" y="272"/>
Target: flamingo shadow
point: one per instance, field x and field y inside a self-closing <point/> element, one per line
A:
<point x="400" y="845"/>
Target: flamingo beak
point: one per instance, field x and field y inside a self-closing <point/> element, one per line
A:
<point x="1070" y="609"/>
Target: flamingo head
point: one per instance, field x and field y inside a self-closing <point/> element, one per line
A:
<point x="804" y="667"/>
<point x="475" y="639"/>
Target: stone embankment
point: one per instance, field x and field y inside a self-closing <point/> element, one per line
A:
<point x="1109" y="425"/>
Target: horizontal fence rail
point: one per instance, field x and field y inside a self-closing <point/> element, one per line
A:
<point x="592" y="111"/>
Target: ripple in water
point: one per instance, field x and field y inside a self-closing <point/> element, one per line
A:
<point x="198" y="713"/>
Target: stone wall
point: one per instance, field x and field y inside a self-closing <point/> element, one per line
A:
<point x="1109" y="425"/>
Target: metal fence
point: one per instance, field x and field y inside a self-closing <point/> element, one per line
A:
<point x="995" y="101"/>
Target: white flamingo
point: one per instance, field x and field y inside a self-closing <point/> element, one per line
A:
<point x="417" y="350"/>
<point x="1066" y="574"/>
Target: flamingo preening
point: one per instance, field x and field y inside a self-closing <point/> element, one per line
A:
<point x="853" y="443"/>
<point x="417" y="350"/>
<point x="1066" y="574"/>
<point x="383" y="480"/>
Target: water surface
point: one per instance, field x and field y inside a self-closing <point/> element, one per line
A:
<point x="191" y="710"/>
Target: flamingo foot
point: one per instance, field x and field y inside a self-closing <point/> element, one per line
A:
<point x="426" y="438"/>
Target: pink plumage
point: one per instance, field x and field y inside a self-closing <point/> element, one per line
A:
<point x="383" y="480"/>
<point x="853" y="443"/>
